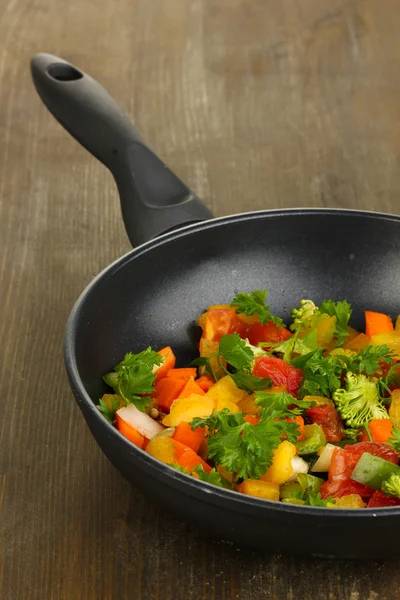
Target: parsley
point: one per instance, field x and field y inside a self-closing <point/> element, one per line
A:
<point x="109" y="407"/>
<point x="244" y="449"/>
<point x="369" y="358"/>
<point x="235" y="351"/>
<point x="213" y="477"/>
<point x="295" y="345"/>
<point x="394" y="441"/>
<point x="342" y="311"/>
<point x="240" y="356"/>
<point x="255" y="304"/>
<point x="280" y="403"/>
<point x="321" y="374"/>
<point x="133" y="378"/>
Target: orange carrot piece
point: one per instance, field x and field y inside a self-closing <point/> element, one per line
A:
<point x="184" y="374"/>
<point x="190" y="388"/>
<point x="186" y="457"/>
<point x="381" y="429"/>
<point x="166" y="390"/>
<point x="129" y="432"/>
<point x="300" y="422"/>
<point x="188" y="436"/>
<point x="377" y="323"/>
<point x="168" y="363"/>
<point x="205" y="383"/>
<point x="252" y="419"/>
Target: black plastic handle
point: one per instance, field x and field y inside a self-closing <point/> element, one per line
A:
<point x="153" y="199"/>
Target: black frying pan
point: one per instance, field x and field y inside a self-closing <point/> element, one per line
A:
<point x="153" y="295"/>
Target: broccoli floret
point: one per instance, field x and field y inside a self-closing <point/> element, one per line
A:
<point x="359" y="403"/>
<point x="302" y="316"/>
<point x="391" y="486"/>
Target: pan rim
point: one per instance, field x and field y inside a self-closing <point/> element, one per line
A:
<point x="237" y="501"/>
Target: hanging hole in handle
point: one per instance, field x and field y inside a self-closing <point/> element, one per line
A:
<point x="63" y="72"/>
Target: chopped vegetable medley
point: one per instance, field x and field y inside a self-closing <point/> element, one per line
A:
<point x="307" y="414"/>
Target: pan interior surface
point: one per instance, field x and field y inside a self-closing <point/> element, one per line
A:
<point x="153" y="295"/>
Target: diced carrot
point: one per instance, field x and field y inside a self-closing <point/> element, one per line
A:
<point x="167" y="364"/>
<point x="377" y="323"/>
<point x="205" y="383"/>
<point x="190" y="388"/>
<point x="188" y="436"/>
<point x="184" y="374"/>
<point x="166" y="391"/>
<point x="186" y="457"/>
<point x="252" y="419"/>
<point x="129" y="432"/>
<point x="380" y="429"/>
<point x="300" y="421"/>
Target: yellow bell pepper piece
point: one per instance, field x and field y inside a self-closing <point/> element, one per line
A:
<point x="349" y="501"/>
<point x="226" y="390"/>
<point x="247" y="405"/>
<point x="206" y="348"/>
<point x="391" y="339"/>
<point x="163" y="449"/>
<point x="281" y="469"/>
<point x="397" y="326"/>
<point x="326" y="330"/>
<point x="319" y="400"/>
<point x="231" y="406"/>
<point x="394" y="408"/>
<point x="260" y="489"/>
<point x="186" y="409"/>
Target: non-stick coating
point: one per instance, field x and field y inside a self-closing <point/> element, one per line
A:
<point x="153" y="295"/>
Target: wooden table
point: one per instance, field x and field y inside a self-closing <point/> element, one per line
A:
<point x="256" y="104"/>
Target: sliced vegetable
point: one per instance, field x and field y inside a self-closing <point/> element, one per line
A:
<point x="186" y="409"/>
<point x="226" y="390"/>
<point x="324" y="461"/>
<point x="268" y="332"/>
<point x="169" y="360"/>
<point x="314" y="439"/>
<point x="260" y="489"/>
<point x="188" y="436"/>
<point x="205" y="383"/>
<point x="185" y="373"/>
<point x="166" y="390"/>
<point x="328" y="418"/>
<point x="280" y="372"/>
<point x="187" y="458"/>
<point x="138" y="420"/>
<point x="191" y="387"/>
<point x="281" y="469"/>
<point x="379" y="429"/>
<point x="350" y="501"/>
<point x="376" y="323"/>
<point x="379" y="500"/>
<point x="394" y="408"/>
<point x="129" y="432"/>
<point x="373" y="471"/>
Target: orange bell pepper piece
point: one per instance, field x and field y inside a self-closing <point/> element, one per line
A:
<point x="166" y="390"/>
<point x="188" y="436"/>
<point x="185" y="373"/>
<point x="167" y="364"/>
<point x="187" y="458"/>
<point x="191" y="387"/>
<point x="205" y="383"/>
<point x="129" y="432"/>
<point x="380" y="430"/>
<point x="377" y="323"/>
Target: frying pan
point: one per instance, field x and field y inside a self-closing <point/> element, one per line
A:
<point x="185" y="261"/>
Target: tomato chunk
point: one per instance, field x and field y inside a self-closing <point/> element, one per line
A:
<point x="269" y="332"/>
<point x="329" y="419"/>
<point x="280" y="373"/>
<point x="380" y="499"/>
<point x="221" y="321"/>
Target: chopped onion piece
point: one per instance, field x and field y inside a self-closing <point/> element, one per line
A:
<point x="140" y="421"/>
<point x="299" y="465"/>
<point x="324" y="462"/>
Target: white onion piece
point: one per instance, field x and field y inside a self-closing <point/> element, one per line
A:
<point x="140" y="421"/>
<point x="324" y="462"/>
<point x="299" y="465"/>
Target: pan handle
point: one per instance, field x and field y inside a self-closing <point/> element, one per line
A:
<point x="153" y="199"/>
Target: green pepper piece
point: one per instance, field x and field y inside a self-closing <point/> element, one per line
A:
<point x="111" y="379"/>
<point x="373" y="471"/>
<point x="293" y="501"/>
<point x="292" y="489"/>
<point x="310" y="483"/>
<point x="315" y="439"/>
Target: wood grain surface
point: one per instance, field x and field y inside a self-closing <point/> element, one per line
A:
<point x="256" y="104"/>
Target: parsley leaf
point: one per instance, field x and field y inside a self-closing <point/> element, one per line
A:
<point x="369" y="358"/>
<point x="280" y="402"/>
<point x="255" y="304"/>
<point x="394" y="441"/>
<point x="342" y="311"/>
<point x="244" y="449"/>
<point x="235" y="351"/>
<point x="321" y="374"/>
<point x="109" y="407"/>
<point x="133" y="377"/>
<point x="296" y="345"/>
<point x="198" y="472"/>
